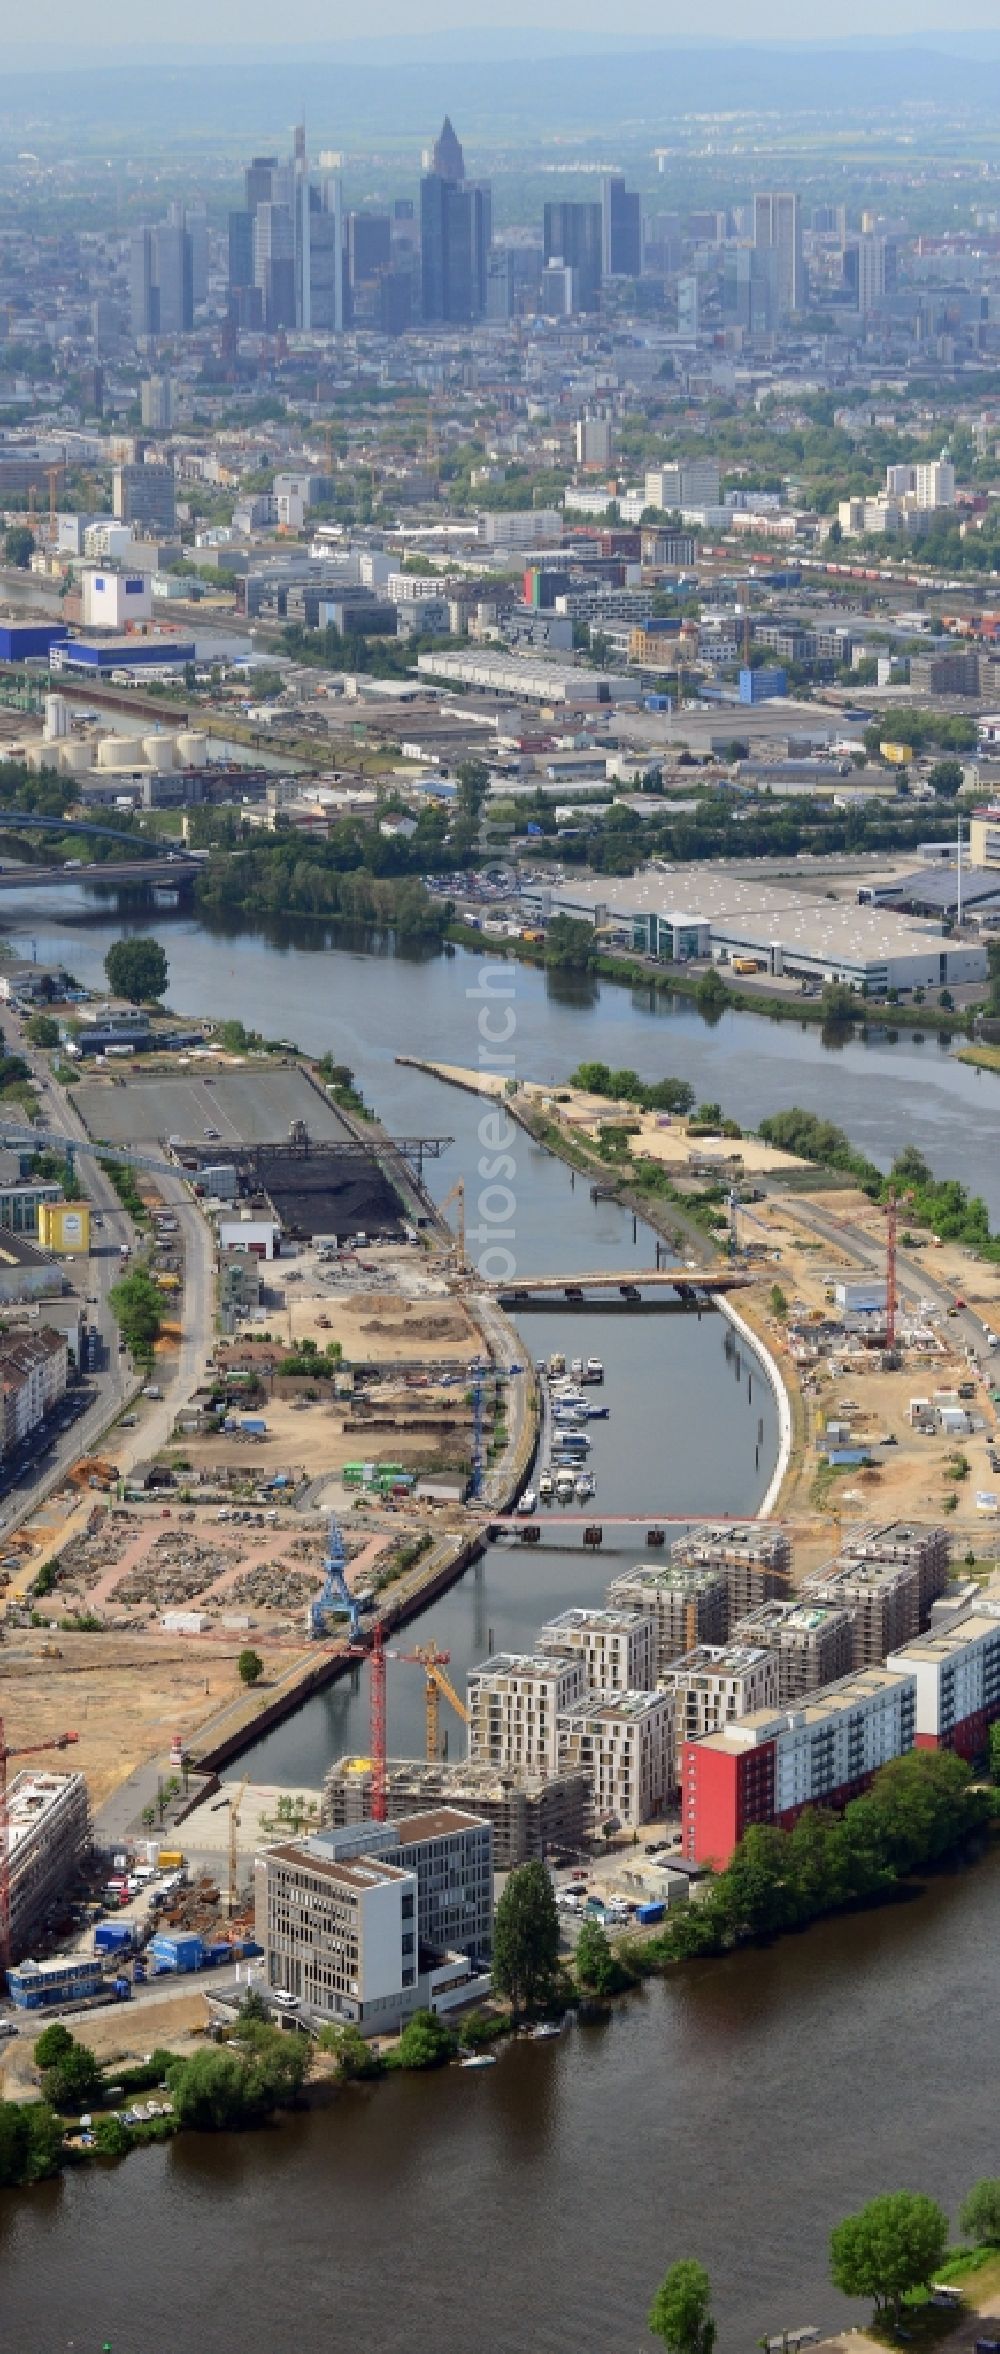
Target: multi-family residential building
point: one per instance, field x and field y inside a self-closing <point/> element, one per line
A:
<point x="888" y="1578"/>
<point x="686" y="1601"/>
<point x="48" y="1833"/>
<point x="957" y="1676"/>
<point x="33" y="1374"/>
<point x="625" y="1742"/>
<point x="812" y="1642"/>
<point x="529" y="1814"/>
<point x="618" y="1647"/>
<point x="515" y="1701"/>
<point x="716" y="1682"/>
<point x="755" y="1556"/>
<point x="767" y="1767"/>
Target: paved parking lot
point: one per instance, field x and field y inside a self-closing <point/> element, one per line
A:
<point x="254" y="1106"/>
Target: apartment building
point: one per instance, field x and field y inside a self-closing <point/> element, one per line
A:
<point x="925" y="1547"/>
<point x="957" y="1675"/>
<point x="48" y="1833"/>
<point x="715" y="1683"/>
<point x="768" y="1766"/>
<point x="686" y="1602"/>
<point x="33" y="1373"/>
<point x="625" y="1742"/>
<point x="515" y="1701"/>
<point x="882" y="1598"/>
<point x="618" y="1647"/>
<point x="529" y="1814"/>
<point x="755" y="1557"/>
<point x="812" y="1643"/>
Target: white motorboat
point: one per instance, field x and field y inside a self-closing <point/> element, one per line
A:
<point x="594" y="1370"/>
<point x="526" y="1503"/>
<point x="585" y="1485"/>
<point x="545" y="1485"/>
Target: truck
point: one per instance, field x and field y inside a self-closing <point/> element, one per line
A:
<point x="747" y="964"/>
<point x="170" y="1859"/>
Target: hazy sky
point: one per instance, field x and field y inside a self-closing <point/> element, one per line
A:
<point x="137" y="25"/>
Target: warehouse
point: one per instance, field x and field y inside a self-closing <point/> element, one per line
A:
<point x="122" y="653"/>
<point x="786" y="932"/>
<point x="30" y="641"/>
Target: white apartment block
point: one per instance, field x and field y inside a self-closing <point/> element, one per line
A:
<point x="692" y="483"/>
<point x="957" y="1676"/>
<point x="714" y="1684"/>
<point x="515" y="1701"/>
<point x="618" y="1647"/>
<point x="625" y="1742"/>
<point x="521" y="527"/>
<point x="687" y="1603"/>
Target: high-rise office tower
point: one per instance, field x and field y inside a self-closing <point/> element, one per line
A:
<point x="274" y="263"/>
<point x="621" y="230"/>
<point x="777" y="229"/>
<point x="286" y="246"/>
<point x="456" y="221"/>
<point x="369" y="246"/>
<point x="573" y="234"/>
<point x="161" y="278"/>
<point x="240" y="251"/>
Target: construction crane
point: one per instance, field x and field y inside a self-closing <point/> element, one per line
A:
<point x="457" y="1195"/>
<point x="234" y="1805"/>
<point x="336" y="1599"/>
<point x="53" y="474"/>
<point x="434" y="1662"/>
<point x="26" y="1749"/>
<point x="890" y="1271"/>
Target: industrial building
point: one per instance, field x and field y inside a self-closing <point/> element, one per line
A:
<point x="530" y="1814"/>
<point x="715" y="1683"/>
<point x="687" y="1602"/>
<point x="811" y="1642"/>
<point x="507" y="678"/>
<point x="376" y="1920"/>
<point x="768" y="1766"/>
<point x="96" y="658"/>
<point x="726" y="916"/>
<point x="618" y="1647"/>
<point x="625" y="1742"/>
<point x="48" y="1834"/>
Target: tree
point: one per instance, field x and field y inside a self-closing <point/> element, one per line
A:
<point x="711" y="993"/>
<point x="19" y="546"/>
<point x="354" y="2056"/>
<point x="681" y="2312"/>
<point x="73" y="2081"/>
<point x="995" y="1753"/>
<point x="779" y="1304"/>
<point x="525" y="1936"/>
<point x="250" y="1666"/>
<point x="946" y="779"/>
<point x="979" y="2220"/>
<point x="43" y="1031"/>
<point x="53" y="2044"/>
<point x="837" y="1002"/>
<point x="208" y="2091"/>
<point x="136" y="969"/>
<point x="893" y="2245"/>
<point x="425" y="2042"/>
<point x="112" y="2137"/>
<point x="137" y="1307"/>
<point x="570" y="945"/>
<point x="594" y="1961"/>
<point x="473" y="787"/>
<point x="13" y="2143"/>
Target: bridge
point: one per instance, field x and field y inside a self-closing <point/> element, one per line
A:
<point x="147" y="869"/>
<point x="688" y="1284"/>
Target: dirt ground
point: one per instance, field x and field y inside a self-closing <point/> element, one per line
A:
<point x="125" y="1697"/>
<point x="123" y="2034"/>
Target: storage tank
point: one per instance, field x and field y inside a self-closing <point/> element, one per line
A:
<point x="159" y="751"/>
<point x="75" y="756"/>
<point x="192" y="749"/>
<point x="118" y="752"/>
<point x="36" y="756"/>
<point x="56" y="718"/>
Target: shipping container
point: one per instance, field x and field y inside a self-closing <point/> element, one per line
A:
<point x="647" y="1913"/>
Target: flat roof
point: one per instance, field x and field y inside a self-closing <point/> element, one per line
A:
<point x="945" y="1642"/>
<point x="354" y="1877"/>
<point x="437" y="1823"/>
<point x="762" y="1724"/>
<point x="624" y="1707"/>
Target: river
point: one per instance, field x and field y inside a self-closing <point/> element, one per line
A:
<point x="734" y="2113"/>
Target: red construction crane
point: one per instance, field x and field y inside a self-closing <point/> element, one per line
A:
<point x="28" y="1749"/>
<point x="380" y="1779"/>
<point x="890" y="1271"/>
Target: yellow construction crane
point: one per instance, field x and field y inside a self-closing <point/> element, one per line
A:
<point x="457" y="1195"/>
<point x="434" y="1662"/>
<point x="53" y="476"/>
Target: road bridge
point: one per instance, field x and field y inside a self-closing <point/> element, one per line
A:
<point x="146" y="869"/>
<point x="526" y="1291"/>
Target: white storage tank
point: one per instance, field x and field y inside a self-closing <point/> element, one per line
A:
<point x="117" y="752"/>
<point x="159" y="751"/>
<point x="192" y="749"/>
<point x="75" y="756"/>
<point x="56" y="718"/>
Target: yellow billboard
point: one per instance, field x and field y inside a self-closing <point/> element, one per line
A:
<point x="64" y="1227"/>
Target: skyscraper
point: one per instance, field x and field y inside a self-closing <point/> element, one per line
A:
<point x="456" y="221"/>
<point x="161" y="277"/>
<point x="777" y="229"/>
<point x="574" y="235"/>
<point x="286" y="243"/>
<point x="621" y="230"/>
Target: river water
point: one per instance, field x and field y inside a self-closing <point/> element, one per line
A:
<point x="733" y="2114"/>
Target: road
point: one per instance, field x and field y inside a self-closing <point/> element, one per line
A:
<point x="913" y="1274"/>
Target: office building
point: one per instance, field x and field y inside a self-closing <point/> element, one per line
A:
<point x="456" y="230"/>
<point x="515" y="1701"/>
<point x="777" y="231"/>
<point x="573" y="239"/>
<point x="274" y="263"/>
<point x="593" y="441"/>
<point x="161" y="277"/>
<point x="156" y="403"/>
<point x="621" y="230"/>
<point x="286" y="247"/>
<point x="769" y="1766"/>
<point x="618" y="1647"/>
<point x="144" y="495"/>
<point x="625" y="1742"/>
<point x="686" y="1602"/>
<point x="369" y="247"/>
<point x="692" y="483"/>
<point x="715" y="1683"/>
<point x="240" y="252"/>
<point x="372" y="1921"/>
<point x="812" y="1643"/>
